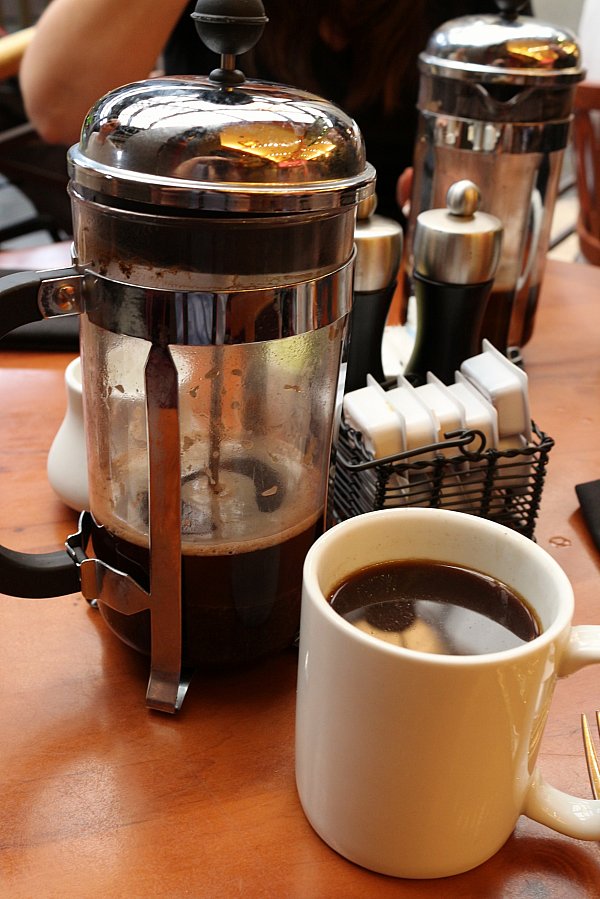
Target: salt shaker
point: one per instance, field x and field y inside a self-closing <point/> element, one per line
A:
<point x="378" y="242"/>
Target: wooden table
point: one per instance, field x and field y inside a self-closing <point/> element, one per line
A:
<point x="102" y="798"/>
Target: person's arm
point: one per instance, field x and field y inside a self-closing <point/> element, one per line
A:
<point x="82" y="49"/>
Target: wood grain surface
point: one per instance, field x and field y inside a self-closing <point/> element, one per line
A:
<point x="102" y="798"/>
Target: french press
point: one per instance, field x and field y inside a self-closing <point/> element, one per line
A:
<point x="495" y="103"/>
<point x="213" y="259"/>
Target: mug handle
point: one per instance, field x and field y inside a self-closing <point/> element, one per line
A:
<point x="567" y="814"/>
<point x="27" y="297"/>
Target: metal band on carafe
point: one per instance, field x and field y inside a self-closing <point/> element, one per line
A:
<point x="215" y="318"/>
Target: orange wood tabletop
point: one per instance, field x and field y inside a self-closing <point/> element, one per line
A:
<point x="102" y="798"/>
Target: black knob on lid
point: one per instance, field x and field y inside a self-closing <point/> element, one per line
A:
<point x="510" y="9"/>
<point x="229" y="27"/>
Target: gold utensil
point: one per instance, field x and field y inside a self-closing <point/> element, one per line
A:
<point x="591" y="755"/>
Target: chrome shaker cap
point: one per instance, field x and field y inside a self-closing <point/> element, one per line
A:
<point x="505" y="48"/>
<point x="221" y="143"/>
<point x="458" y="245"/>
<point x="378" y="241"/>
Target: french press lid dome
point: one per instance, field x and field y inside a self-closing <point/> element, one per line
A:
<point x="503" y="48"/>
<point x="221" y="143"/>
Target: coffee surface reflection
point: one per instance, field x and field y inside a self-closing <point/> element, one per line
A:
<point x="435" y="607"/>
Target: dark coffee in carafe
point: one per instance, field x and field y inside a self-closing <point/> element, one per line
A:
<point x="239" y="604"/>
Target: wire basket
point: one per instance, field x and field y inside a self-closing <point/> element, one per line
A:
<point x="460" y="474"/>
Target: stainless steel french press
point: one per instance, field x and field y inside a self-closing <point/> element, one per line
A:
<point x="213" y="259"/>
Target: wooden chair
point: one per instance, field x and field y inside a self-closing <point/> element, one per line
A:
<point x="37" y="169"/>
<point x="586" y="144"/>
<point x="36" y="258"/>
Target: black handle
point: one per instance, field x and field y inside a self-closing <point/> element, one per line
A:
<point x="449" y="320"/>
<point x="19" y="297"/>
<point x="510" y="9"/>
<point x="32" y="575"/>
<point x="37" y="575"/>
<point x="367" y="323"/>
<point x="229" y="28"/>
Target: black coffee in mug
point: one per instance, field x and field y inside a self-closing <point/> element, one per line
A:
<point x="435" y="607"/>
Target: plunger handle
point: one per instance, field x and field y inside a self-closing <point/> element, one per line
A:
<point x="510" y="9"/>
<point x="230" y="28"/>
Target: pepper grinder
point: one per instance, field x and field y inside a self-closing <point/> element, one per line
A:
<point x="378" y="242"/>
<point x="456" y="252"/>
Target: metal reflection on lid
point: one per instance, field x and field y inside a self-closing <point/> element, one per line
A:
<point x="279" y="143"/>
<point x="491" y="48"/>
<point x="189" y="144"/>
<point x="539" y="53"/>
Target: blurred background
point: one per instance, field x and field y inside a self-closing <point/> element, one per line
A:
<point x="34" y="209"/>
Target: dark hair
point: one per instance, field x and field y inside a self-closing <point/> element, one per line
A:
<point x="360" y="54"/>
<point x="379" y="41"/>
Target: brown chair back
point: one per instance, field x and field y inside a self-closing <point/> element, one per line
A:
<point x="586" y="144"/>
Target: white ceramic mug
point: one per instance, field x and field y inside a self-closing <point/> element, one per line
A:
<point x="419" y="765"/>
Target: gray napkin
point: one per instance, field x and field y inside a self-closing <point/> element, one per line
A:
<point x="588" y="495"/>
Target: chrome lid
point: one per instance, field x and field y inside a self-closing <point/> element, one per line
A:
<point x="504" y="48"/>
<point x="221" y="143"/>
<point x="197" y="144"/>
